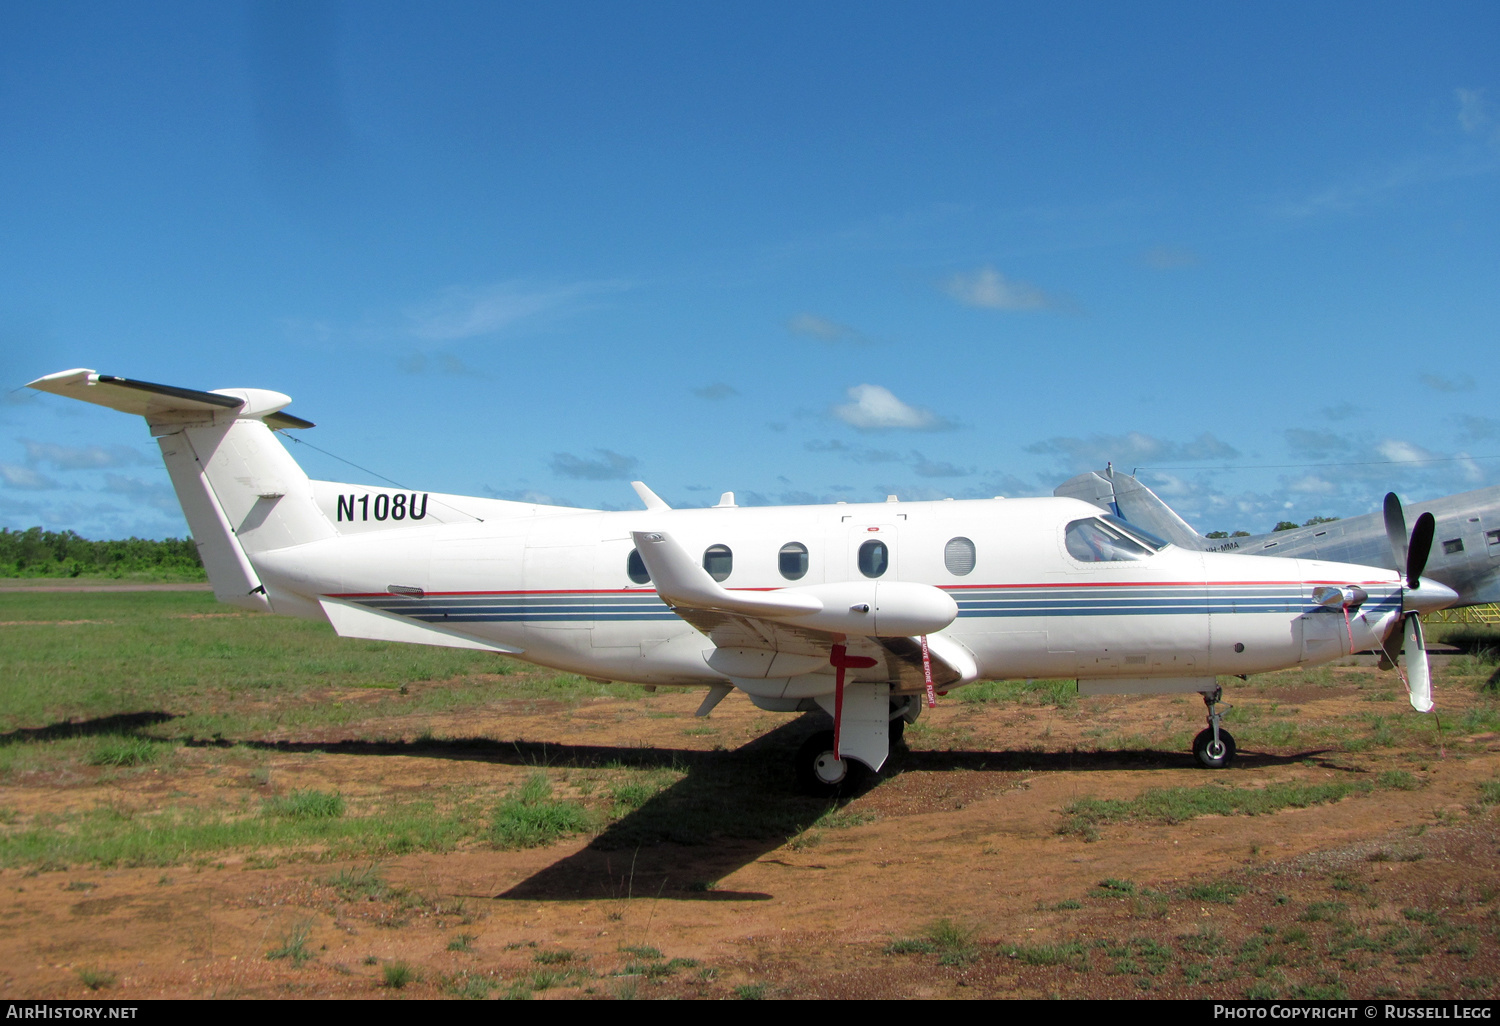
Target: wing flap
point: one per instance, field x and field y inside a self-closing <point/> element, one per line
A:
<point x="355" y="621"/>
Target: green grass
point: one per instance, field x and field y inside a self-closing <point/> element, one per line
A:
<point x="96" y="979"/>
<point x="396" y="975"/>
<point x="110" y="836"/>
<point x="124" y="751"/>
<point x="468" y="986"/>
<point x="1071" y="954"/>
<point x="1179" y="804"/>
<point x="952" y="942"/>
<point x="220" y="672"/>
<point x="293" y="947"/>
<point x="463" y="942"/>
<point x="531" y="817"/>
<point x="1060" y="693"/>
<point x="307" y="805"/>
<point x="1216" y="892"/>
<point x="360" y="884"/>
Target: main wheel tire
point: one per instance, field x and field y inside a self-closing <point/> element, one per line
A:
<point x="821" y="775"/>
<point x="1210" y="755"/>
<point x="898" y="733"/>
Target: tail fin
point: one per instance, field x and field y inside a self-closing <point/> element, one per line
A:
<point x="1125" y="496"/>
<point x="241" y="491"/>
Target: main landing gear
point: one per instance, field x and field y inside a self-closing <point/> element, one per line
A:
<point x="1214" y="747"/>
<point x="821" y="775"/>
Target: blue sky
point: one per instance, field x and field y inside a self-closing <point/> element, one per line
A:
<point x="803" y="252"/>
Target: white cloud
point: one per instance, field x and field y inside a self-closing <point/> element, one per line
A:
<point x="525" y="495"/>
<point x="1473" y="113"/>
<point x="1477" y="429"/>
<point x="1312" y="484"/>
<point x="1170" y="258"/>
<point x="857" y="453"/>
<point x="992" y="290"/>
<point x="25" y="478"/>
<point x="876" y="409"/>
<point x="142" y="493"/>
<point x="1463" y="383"/>
<point x="608" y="466"/>
<point x="1398" y="451"/>
<point x="924" y="467"/>
<point x="824" y="330"/>
<point x="718" y="390"/>
<point x="1316" y="444"/>
<point x="442" y="363"/>
<point x="81" y="457"/>
<point x="1132" y="449"/>
<point x="470" y="312"/>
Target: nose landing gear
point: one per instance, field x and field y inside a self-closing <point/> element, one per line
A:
<point x="1214" y="747"/>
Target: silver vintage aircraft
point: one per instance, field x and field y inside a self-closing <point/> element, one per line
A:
<point x="866" y="611"/>
<point x="1467" y="531"/>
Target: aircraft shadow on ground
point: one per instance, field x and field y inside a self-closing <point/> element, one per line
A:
<point x="119" y="723"/>
<point x="731" y="808"/>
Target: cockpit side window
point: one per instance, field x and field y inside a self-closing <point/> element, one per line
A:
<point x="1095" y="541"/>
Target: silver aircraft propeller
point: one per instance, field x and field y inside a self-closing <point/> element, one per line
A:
<point x="1411" y="556"/>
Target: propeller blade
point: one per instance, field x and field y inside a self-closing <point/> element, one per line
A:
<point x="1391" y="644"/>
<point x="1421" y="546"/>
<point x="1395" y="529"/>
<point x="1418" y="675"/>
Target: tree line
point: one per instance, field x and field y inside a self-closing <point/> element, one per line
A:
<point x="38" y="553"/>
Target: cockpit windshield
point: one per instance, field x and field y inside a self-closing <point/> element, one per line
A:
<point x="1109" y="539"/>
<point x="1137" y="532"/>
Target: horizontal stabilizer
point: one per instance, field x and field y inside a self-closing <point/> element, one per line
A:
<point x="355" y="621"/>
<point x="151" y="400"/>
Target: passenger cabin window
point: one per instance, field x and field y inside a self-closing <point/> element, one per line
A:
<point x="1094" y="541"/>
<point x="958" y="556"/>
<point x="874" y="558"/>
<point x="718" y="561"/>
<point x="792" y="561"/>
<point x="1492" y="537"/>
<point x="1453" y="545"/>
<point x="635" y="568"/>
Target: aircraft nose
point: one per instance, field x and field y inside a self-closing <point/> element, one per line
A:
<point x="1429" y="595"/>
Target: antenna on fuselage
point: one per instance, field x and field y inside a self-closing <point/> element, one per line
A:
<point x="1109" y="475"/>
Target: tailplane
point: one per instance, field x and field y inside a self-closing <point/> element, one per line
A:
<point x="241" y="491"/>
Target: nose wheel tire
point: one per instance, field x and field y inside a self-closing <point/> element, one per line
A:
<point x="821" y="775"/>
<point x="1214" y="754"/>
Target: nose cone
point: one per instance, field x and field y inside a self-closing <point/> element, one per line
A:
<point x="1429" y="595"/>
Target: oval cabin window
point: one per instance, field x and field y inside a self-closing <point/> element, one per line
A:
<point x="792" y="561"/>
<point x="635" y="568"/>
<point x="718" y="561"/>
<point x="958" y="556"/>
<point x="874" y="558"/>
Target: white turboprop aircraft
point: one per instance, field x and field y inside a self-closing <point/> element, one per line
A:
<point x="865" y="610"/>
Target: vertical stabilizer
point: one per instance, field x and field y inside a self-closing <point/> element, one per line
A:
<point x="240" y="490"/>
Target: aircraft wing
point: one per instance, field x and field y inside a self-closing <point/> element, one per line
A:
<point x="752" y="639"/>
